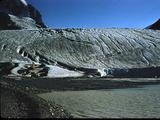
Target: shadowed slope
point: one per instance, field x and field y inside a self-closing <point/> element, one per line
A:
<point x="155" y="26"/>
<point x="15" y="103"/>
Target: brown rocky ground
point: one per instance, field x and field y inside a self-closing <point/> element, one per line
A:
<point x="16" y="103"/>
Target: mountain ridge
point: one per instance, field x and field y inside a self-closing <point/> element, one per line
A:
<point x="21" y="11"/>
<point x="154" y="26"/>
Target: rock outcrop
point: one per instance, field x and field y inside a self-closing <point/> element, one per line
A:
<point x="35" y="14"/>
<point x="155" y="26"/>
<point x="11" y="22"/>
<point x="17" y="14"/>
<point x="17" y="102"/>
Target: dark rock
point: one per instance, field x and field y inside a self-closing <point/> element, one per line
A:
<point x="6" y="67"/>
<point x="34" y="14"/>
<point x="6" y="22"/>
<point x="148" y="72"/>
<point x="11" y="22"/>
<point x="155" y="26"/>
<point x="17" y="15"/>
<point x="14" y="7"/>
<point x="16" y="103"/>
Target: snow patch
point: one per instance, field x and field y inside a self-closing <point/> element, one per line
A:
<point x="18" y="49"/>
<point x="24" y="2"/>
<point x="56" y="72"/>
<point x="102" y="72"/>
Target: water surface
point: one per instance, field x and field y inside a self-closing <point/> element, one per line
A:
<point x="114" y="103"/>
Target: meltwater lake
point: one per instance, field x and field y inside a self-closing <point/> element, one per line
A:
<point x="142" y="102"/>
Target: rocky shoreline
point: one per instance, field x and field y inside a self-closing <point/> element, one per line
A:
<point x="19" y="94"/>
<point x="43" y="85"/>
<point x="17" y="102"/>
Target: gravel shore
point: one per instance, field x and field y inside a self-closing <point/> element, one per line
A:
<point x="16" y="103"/>
<point x="19" y="94"/>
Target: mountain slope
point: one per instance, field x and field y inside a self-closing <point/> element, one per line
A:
<point x="15" y="12"/>
<point x="155" y="26"/>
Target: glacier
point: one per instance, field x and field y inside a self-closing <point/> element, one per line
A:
<point x="89" y="51"/>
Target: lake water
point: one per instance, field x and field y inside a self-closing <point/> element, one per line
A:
<point x="114" y="103"/>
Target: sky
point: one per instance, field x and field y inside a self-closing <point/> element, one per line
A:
<point x="98" y="13"/>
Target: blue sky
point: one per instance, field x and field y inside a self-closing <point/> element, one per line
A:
<point x="98" y="13"/>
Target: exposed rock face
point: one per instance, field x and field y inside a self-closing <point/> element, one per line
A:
<point x="34" y="14"/>
<point x="16" y="102"/>
<point x="6" y="22"/>
<point x="12" y="22"/>
<point x="14" y="7"/>
<point x="20" y="10"/>
<point x="155" y="26"/>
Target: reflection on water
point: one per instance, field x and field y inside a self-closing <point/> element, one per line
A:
<point x="130" y="102"/>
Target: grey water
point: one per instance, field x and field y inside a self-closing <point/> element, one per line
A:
<point x="141" y="102"/>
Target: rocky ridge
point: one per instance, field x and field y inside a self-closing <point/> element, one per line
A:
<point x="155" y="26"/>
<point x="17" y="14"/>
